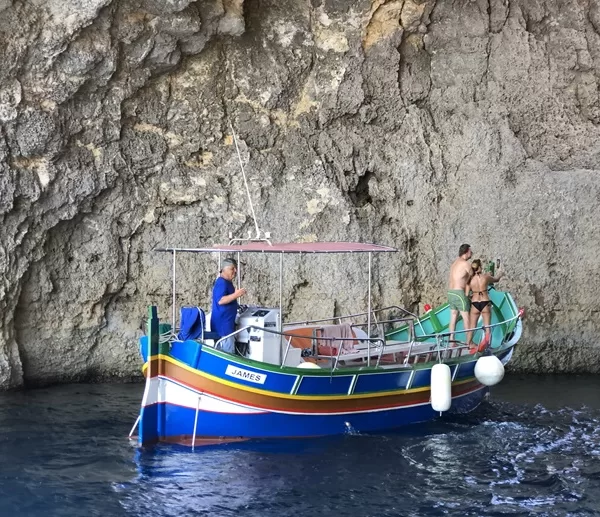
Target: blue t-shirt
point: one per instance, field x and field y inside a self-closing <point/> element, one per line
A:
<point x="222" y="318"/>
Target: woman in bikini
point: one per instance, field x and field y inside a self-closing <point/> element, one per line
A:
<point x="480" y="300"/>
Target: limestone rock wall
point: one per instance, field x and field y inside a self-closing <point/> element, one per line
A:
<point x="415" y="123"/>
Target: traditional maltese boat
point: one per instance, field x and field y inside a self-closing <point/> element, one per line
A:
<point x="368" y="372"/>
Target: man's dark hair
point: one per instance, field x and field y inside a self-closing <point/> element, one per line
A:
<point x="464" y="248"/>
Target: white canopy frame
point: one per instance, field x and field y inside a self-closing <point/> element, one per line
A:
<point x="253" y="246"/>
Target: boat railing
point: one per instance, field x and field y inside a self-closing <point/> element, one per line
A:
<point x="441" y="347"/>
<point x="373" y="312"/>
<point x="443" y="341"/>
<point x="172" y="333"/>
<point x="359" y="353"/>
<point x="371" y="342"/>
<point x="373" y="345"/>
<point x="376" y="346"/>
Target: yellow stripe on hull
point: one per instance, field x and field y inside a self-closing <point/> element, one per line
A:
<point x="286" y="395"/>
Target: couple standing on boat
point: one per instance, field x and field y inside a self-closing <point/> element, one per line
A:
<point x="465" y="279"/>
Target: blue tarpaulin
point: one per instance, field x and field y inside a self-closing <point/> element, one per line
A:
<point x="193" y="323"/>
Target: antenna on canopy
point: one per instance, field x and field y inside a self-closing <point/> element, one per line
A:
<point x="257" y="237"/>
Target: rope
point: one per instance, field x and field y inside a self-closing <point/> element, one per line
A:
<point x="165" y="337"/>
<point x="245" y="181"/>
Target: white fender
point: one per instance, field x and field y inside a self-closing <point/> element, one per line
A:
<point x="308" y="365"/>
<point x="441" y="387"/>
<point x="489" y="370"/>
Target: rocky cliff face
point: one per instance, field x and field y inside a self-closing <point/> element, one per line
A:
<point x="415" y="123"/>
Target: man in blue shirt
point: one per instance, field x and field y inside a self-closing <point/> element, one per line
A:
<point x="225" y="305"/>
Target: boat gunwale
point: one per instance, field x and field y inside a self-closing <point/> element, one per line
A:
<point x="325" y="372"/>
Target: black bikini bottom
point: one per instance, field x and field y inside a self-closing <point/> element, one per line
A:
<point x="480" y="305"/>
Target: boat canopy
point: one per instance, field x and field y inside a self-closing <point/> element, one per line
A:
<point x="287" y="247"/>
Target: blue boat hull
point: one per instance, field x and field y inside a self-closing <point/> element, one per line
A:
<point x="178" y="422"/>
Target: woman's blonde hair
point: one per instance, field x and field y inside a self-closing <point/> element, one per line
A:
<point x="476" y="264"/>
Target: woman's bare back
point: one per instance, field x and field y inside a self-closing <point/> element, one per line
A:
<point x="479" y="285"/>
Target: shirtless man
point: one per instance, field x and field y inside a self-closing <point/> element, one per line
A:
<point x="458" y="289"/>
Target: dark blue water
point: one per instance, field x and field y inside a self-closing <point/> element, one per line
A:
<point x="532" y="449"/>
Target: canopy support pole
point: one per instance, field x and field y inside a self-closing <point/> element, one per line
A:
<point x="173" y="322"/>
<point x="369" y="297"/>
<point x="280" y="292"/>
<point x="369" y="307"/>
<point x="239" y="273"/>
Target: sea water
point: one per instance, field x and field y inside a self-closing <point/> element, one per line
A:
<point x="532" y="449"/>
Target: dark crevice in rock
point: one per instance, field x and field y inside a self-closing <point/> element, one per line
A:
<point x="360" y="195"/>
<point x="296" y="288"/>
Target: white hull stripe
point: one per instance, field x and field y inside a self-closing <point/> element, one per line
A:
<point x="170" y="392"/>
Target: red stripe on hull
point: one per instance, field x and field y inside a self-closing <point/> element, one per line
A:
<point x="423" y="398"/>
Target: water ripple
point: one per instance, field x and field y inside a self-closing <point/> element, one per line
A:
<point x="65" y="453"/>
